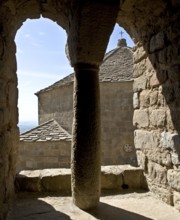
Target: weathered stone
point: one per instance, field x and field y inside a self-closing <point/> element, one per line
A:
<point x="134" y="179"/>
<point x="139" y="54"/>
<point x="173" y="55"/>
<point x="153" y="25"/>
<point x="161" y="100"/>
<point x="141" y="118"/>
<point x="149" y="67"/>
<point x="139" y="68"/>
<point x="159" y="156"/>
<point x="28" y="181"/>
<point x="173" y="177"/>
<point x="170" y="124"/>
<point x="111" y="181"/>
<point x="111" y="178"/>
<point x="162" y="56"/>
<point x="136" y="100"/>
<point x="177" y="92"/>
<point x="168" y="92"/>
<point x="165" y="194"/>
<point x="175" y="159"/>
<point x="176" y="200"/>
<point x="174" y="73"/>
<point x="139" y="155"/>
<point x="153" y="98"/>
<point x="157" y="42"/>
<point x="144" y="98"/>
<point x="170" y="141"/>
<point x="157" y="174"/>
<point x="56" y="180"/>
<point x="59" y="180"/>
<point x="146" y="139"/>
<point x="140" y="84"/>
<point x="175" y="115"/>
<point x="157" y="118"/>
<point x="158" y="78"/>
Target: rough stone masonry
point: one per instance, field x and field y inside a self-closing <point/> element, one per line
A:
<point x="157" y="94"/>
<point x="155" y="29"/>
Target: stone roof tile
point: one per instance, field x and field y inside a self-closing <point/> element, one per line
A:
<point x="49" y="131"/>
<point x="117" y="66"/>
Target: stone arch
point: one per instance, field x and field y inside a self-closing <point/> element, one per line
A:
<point x="155" y="28"/>
<point x="12" y="16"/>
<point x="84" y="59"/>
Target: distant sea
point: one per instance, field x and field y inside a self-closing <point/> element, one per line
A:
<point x="27" y="125"/>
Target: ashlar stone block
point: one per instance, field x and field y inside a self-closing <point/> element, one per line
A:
<point x="170" y="141"/>
<point x="157" y="118"/>
<point x="162" y="193"/>
<point x="176" y="200"/>
<point x="144" y="98"/>
<point x="175" y="159"/>
<point x="139" y="54"/>
<point x="141" y="118"/>
<point x="136" y="100"/>
<point x="146" y="139"/>
<point x="159" y="156"/>
<point x="157" y="174"/>
<point x="173" y="177"/>
<point x="153" y="98"/>
<point x="140" y="83"/>
<point x="139" y="68"/>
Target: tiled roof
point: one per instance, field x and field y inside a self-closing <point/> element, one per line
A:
<point x="117" y="66"/>
<point x="49" y="131"/>
<point x="65" y="81"/>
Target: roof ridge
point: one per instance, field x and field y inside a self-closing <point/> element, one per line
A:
<point x="54" y="84"/>
<point x="37" y="127"/>
<point x="48" y="131"/>
<point x="69" y="78"/>
<point x="66" y="132"/>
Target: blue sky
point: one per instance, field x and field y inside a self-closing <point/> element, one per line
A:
<point x="41" y="61"/>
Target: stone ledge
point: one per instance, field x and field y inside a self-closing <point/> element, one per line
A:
<point x="59" y="180"/>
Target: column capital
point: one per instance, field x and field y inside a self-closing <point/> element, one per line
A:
<point x="90" y="26"/>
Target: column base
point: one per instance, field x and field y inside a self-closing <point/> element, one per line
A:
<point x="85" y="202"/>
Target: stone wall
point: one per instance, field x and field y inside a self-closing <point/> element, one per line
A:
<point x="116" y="117"/>
<point x="116" y="120"/>
<point x="157" y="96"/>
<point x="57" y="104"/>
<point x="9" y="132"/>
<point x="12" y="16"/>
<point x="156" y="29"/>
<point x="42" y="155"/>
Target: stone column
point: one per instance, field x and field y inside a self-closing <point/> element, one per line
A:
<point x="85" y="160"/>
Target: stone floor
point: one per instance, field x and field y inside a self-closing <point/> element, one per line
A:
<point x="129" y="206"/>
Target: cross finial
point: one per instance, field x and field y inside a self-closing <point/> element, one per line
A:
<point x="121" y="33"/>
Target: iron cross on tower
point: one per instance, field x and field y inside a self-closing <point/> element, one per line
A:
<point x="121" y="33"/>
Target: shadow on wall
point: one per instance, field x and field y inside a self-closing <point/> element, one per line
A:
<point x="167" y="79"/>
<point x="107" y="212"/>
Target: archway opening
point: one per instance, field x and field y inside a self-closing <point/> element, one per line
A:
<point x="42" y="65"/>
<point x="41" y="61"/>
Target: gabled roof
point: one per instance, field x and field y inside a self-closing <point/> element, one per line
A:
<point x="65" y="81"/>
<point x="117" y="66"/>
<point x="49" y="131"/>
